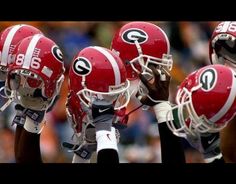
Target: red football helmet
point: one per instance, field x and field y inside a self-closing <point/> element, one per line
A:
<point x="205" y="101"/>
<point x="139" y="44"/>
<point x="36" y="74"/>
<point x="95" y="72"/>
<point x="8" y="41"/>
<point x="222" y="45"/>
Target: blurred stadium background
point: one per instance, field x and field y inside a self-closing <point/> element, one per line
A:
<point x="139" y="143"/>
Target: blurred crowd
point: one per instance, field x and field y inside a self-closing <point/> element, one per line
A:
<point x="139" y="143"/>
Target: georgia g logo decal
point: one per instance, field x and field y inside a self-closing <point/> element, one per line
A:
<point x="133" y="34"/>
<point x="57" y="53"/>
<point x="82" y="66"/>
<point x="208" y="79"/>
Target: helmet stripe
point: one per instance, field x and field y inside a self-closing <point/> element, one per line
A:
<point x="7" y="44"/>
<point x="113" y="62"/>
<point x="30" y="51"/>
<point x="229" y="101"/>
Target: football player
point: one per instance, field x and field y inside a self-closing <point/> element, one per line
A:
<point x="137" y="44"/>
<point x="98" y="93"/>
<point x="222" y="50"/>
<point x="34" y="79"/>
<point x="144" y="47"/>
<point x="198" y="116"/>
<point x="10" y="37"/>
<point x="145" y="51"/>
<point x="204" y="138"/>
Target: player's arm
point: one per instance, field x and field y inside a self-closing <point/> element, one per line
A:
<point x="228" y="142"/>
<point x="29" y="146"/>
<point x="86" y="146"/>
<point x="171" y="145"/>
<point x="27" y="139"/>
<point x="158" y="94"/>
<point x="100" y="138"/>
<point x="19" y="120"/>
<point x="103" y="115"/>
<point x="83" y="142"/>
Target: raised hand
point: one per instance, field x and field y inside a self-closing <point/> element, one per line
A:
<point x="157" y="87"/>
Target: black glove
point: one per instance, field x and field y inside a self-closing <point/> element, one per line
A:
<point x="208" y="144"/>
<point x="36" y="116"/>
<point x="21" y="113"/>
<point x="103" y="113"/>
<point x="19" y="118"/>
<point x="158" y="90"/>
<point x="100" y="109"/>
<point x="211" y="144"/>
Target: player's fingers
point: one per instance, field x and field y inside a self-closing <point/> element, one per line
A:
<point x="166" y="73"/>
<point x="142" y="99"/>
<point x="145" y="81"/>
<point x="155" y="73"/>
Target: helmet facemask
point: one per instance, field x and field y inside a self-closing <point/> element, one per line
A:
<point x="224" y="50"/>
<point x="140" y="64"/>
<point x="118" y="97"/>
<point x="28" y="89"/>
<point x="180" y="124"/>
<point x="148" y="75"/>
<point x="188" y="121"/>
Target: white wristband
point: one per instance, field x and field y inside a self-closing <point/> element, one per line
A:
<point x="106" y="139"/>
<point x="33" y="127"/>
<point x="163" y="112"/>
